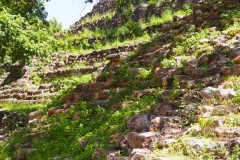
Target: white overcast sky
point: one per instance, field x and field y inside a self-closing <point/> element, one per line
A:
<point x="67" y="11"/>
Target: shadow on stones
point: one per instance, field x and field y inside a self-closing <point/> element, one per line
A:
<point x="15" y="74"/>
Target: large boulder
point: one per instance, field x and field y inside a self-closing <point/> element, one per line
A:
<point x="139" y="123"/>
<point x="142" y="140"/>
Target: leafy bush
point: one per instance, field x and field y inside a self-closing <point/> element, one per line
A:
<point x="21" y="41"/>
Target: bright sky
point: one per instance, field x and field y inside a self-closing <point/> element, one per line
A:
<point x="67" y="11"/>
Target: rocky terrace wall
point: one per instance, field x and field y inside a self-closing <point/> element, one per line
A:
<point x="139" y="13"/>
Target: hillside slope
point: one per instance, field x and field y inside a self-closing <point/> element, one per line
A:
<point x="140" y="80"/>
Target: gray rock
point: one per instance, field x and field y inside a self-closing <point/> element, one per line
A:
<point x="221" y="110"/>
<point x="21" y="154"/>
<point x="234" y="143"/>
<point x="195" y="146"/>
<point x="212" y="92"/>
<point x="227" y="132"/>
<point x="140" y="154"/>
<point x="117" y="158"/>
<point x="162" y="143"/>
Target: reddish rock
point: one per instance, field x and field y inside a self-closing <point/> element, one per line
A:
<point x="142" y="140"/>
<point x="114" y="138"/>
<point x="76" y="116"/>
<point x="139" y="123"/>
<point x="188" y="70"/>
<point x="213" y="15"/>
<point x="226" y="71"/>
<point x="142" y="93"/>
<point x="165" y="27"/>
<point x="175" y="71"/>
<point x="140" y="154"/>
<point x="167" y="81"/>
<point x="121" y="105"/>
<point x="227" y="132"/>
<point x="114" y="59"/>
<point x="197" y="72"/>
<point x="102" y="95"/>
<point x="122" y="142"/>
<point x="165" y="109"/>
<point x="35" y="115"/>
<point x="236" y="70"/>
<point x="237" y="59"/>
<point x="53" y="111"/>
<point x="123" y="83"/>
<point x="161" y="71"/>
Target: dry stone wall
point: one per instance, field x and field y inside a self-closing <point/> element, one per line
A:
<point x="141" y="12"/>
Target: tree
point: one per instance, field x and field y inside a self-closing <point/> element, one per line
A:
<point x="20" y="40"/>
<point x="24" y="32"/>
<point x="26" y="8"/>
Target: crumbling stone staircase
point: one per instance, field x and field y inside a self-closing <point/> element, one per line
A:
<point x="193" y="86"/>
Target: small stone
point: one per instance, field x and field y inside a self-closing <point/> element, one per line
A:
<point x="83" y="143"/>
<point x="165" y="109"/>
<point x="202" y="41"/>
<point x="76" y="116"/>
<point x="113" y="138"/>
<point x="21" y="154"/>
<point x="237" y="60"/>
<point x="35" y="115"/>
<point x="167" y="81"/>
<point x="233" y="143"/>
<point x="221" y="110"/>
<point x="140" y="154"/>
<point x="203" y="60"/>
<point x="165" y="27"/>
<point x="163" y="143"/>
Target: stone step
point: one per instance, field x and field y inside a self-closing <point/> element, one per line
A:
<point x="195" y="146"/>
<point x="25" y="96"/>
<point x="101" y="103"/>
<point x="98" y="95"/>
<point x="226" y="133"/>
<point x="22" y="91"/>
<point x="141" y="93"/>
<point x="96" y="86"/>
<point x="68" y="72"/>
<point x="95" y="56"/>
<point x="13" y="100"/>
<point x="169" y="127"/>
<point x="168" y="95"/>
<point x="197" y="83"/>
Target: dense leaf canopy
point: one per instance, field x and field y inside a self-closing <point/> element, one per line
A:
<point x="24" y="32"/>
<point x="26" y="8"/>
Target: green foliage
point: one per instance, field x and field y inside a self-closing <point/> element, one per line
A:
<point x="20" y="41"/>
<point x="30" y="9"/>
<point x="166" y="63"/>
<point x="131" y="28"/>
<point x="120" y="5"/>
<point x="36" y="79"/>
